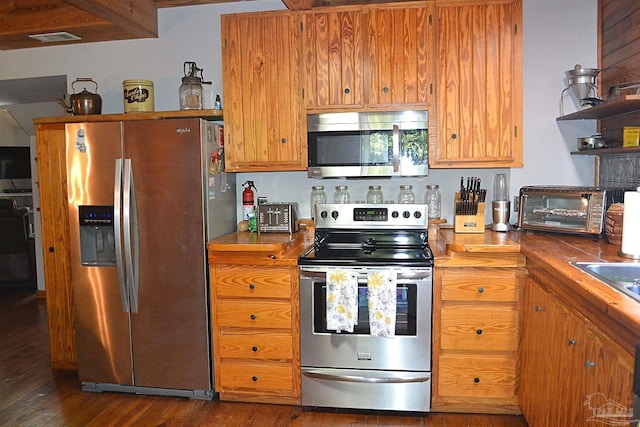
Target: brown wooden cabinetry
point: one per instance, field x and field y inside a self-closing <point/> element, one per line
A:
<point x="262" y="92"/>
<point x="255" y="327"/>
<point x="570" y="371"/>
<point x="369" y="55"/>
<point x="479" y="84"/>
<point x="52" y="185"/>
<point x="475" y="327"/>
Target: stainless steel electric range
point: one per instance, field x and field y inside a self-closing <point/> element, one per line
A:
<point x="355" y="369"/>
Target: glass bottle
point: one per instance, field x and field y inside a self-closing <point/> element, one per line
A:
<point x="405" y="195"/>
<point x="191" y="93"/>
<point x="374" y="195"/>
<point x="318" y="196"/>
<point x="432" y="198"/>
<point x="341" y="195"/>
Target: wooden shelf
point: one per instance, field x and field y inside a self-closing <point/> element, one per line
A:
<point x="623" y="105"/>
<point x="606" y="151"/>
<point x="215" y="115"/>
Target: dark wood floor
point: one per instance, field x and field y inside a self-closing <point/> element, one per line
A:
<point x="31" y="394"/>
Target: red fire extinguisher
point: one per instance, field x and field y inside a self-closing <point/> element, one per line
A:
<point x="248" y="198"/>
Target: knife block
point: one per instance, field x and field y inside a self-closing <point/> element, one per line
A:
<point x="468" y="223"/>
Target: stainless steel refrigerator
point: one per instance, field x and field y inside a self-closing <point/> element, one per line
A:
<point x="144" y="197"/>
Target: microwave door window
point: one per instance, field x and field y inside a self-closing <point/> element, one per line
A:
<point x="377" y="149"/>
<point x="338" y="150"/>
<point x="414" y="147"/>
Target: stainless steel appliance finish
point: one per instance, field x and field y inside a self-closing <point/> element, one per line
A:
<point x="275" y="217"/>
<point x="566" y="209"/>
<point x="352" y="144"/>
<point x="140" y="276"/>
<point x="356" y="370"/>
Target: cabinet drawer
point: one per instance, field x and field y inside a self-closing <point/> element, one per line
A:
<point x="479" y="327"/>
<point x="473" y="376"/>
<point x="477" y="284"/>
<point x="256" y="376"/>
<point x="253" y="314"/>
<point x="252" y="281"/>
<point x="260" y="346"/>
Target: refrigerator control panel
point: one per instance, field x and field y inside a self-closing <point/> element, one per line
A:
<point x="95" y="215"/>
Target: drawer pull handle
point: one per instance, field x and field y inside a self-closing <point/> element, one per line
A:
<point x="252" y="286"/>
<point x="476" y="380"/>
<point x="480" y="290"/>
<point x="589" y="364"/>
<point x="479" y="331"/>
<point x="254" y="378"/>
<point x="571" y="342"/>
<point x="254" y="348"/>
<point x="253" y="317"/>
<point x="538" y="309"/>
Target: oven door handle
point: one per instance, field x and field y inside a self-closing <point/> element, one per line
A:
<point x="396" y="377"/>
<point x="420" y="275"/>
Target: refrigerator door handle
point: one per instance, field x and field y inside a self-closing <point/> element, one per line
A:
<point x="117" y="216"/>
<point x="130" y="234"/>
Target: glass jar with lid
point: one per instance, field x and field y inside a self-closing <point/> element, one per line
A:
<point x="341" y="194"/>
<point x="374" y="195"/>
<point x="405" y="195"/>
<point x="318" y="196"/>
<point x="432" y="198"/>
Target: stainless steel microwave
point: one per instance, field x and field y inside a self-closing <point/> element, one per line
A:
<point x="355" y="144"/>
<point x="566" y="209"/>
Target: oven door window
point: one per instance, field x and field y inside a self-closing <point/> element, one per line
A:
<point x="405" y="310"/>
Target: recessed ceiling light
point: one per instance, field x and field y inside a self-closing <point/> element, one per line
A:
<point x="55" y="37"/>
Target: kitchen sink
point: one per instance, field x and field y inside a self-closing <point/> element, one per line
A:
<point x="623" y="276"/>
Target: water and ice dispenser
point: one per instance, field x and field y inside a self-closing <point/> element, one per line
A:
<point x="97" y="244"/>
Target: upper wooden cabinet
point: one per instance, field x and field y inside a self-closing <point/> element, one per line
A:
<point x="262" y="92"/>
<point x="479" y="85"/>
<point x="378" y="55"/>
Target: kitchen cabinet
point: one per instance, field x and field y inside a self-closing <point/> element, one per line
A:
<point x="262" y="92"/>
<point x="52" y="185"/>
<point x="254" y="290"/>
<point x="476" y="332"/>
<point x="478" y="85"/>
<point x="570" y="370"/>
<point x="368" y="56"/>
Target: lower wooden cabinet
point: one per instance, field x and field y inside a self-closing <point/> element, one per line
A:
<point x="475" y="342"/>
<point x="571" y="373"/>
<point x="255" y="334"/>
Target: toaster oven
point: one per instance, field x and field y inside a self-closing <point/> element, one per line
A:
<point x="278" y="217"/>
<point x="566" y="209"/>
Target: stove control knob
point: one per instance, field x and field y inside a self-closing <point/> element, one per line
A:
<point x="324" y="214"/>
<point x="417" y="214"/>
<point x="406" y="214"/>
<point x="334" y="214"/>
<point x="394" y="214"/>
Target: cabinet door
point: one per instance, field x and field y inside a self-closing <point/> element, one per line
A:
<point x="479" y="85"/>
<point x="400" y="59"/>
<point x="262" y="93"/>
<point x="334" y="58"/>
<point x="52" y="183"/>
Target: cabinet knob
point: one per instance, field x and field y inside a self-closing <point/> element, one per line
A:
<point x="454" y="136"/>
<point x="254" y="348"/>
<point x="254" y="378"/>
<point x="479" y="331"/>
<point x="253" y="317"/>
<point x="571" y="342"/>
<point x="252" y="286"/>
<point x="385" y="89"/>
<point x="283" y="140"/>
<point x="589" y="364"/>
<point x="51" y="249"/>
<point x="538" y="309"/>
<point x="476" y="380"/>
<point x="347" y="90"/>
<point x="480" y="290"/>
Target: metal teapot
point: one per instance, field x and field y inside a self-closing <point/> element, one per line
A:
<point x="83" y="103"/>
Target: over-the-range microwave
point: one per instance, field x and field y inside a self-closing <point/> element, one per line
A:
<point x="566" y="209"/>
<point x="360" y="144"/>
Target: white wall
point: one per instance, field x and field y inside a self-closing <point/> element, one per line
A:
<point x="556" y="34"/>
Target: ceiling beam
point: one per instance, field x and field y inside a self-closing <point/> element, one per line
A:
<point x="136" y="17"/>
